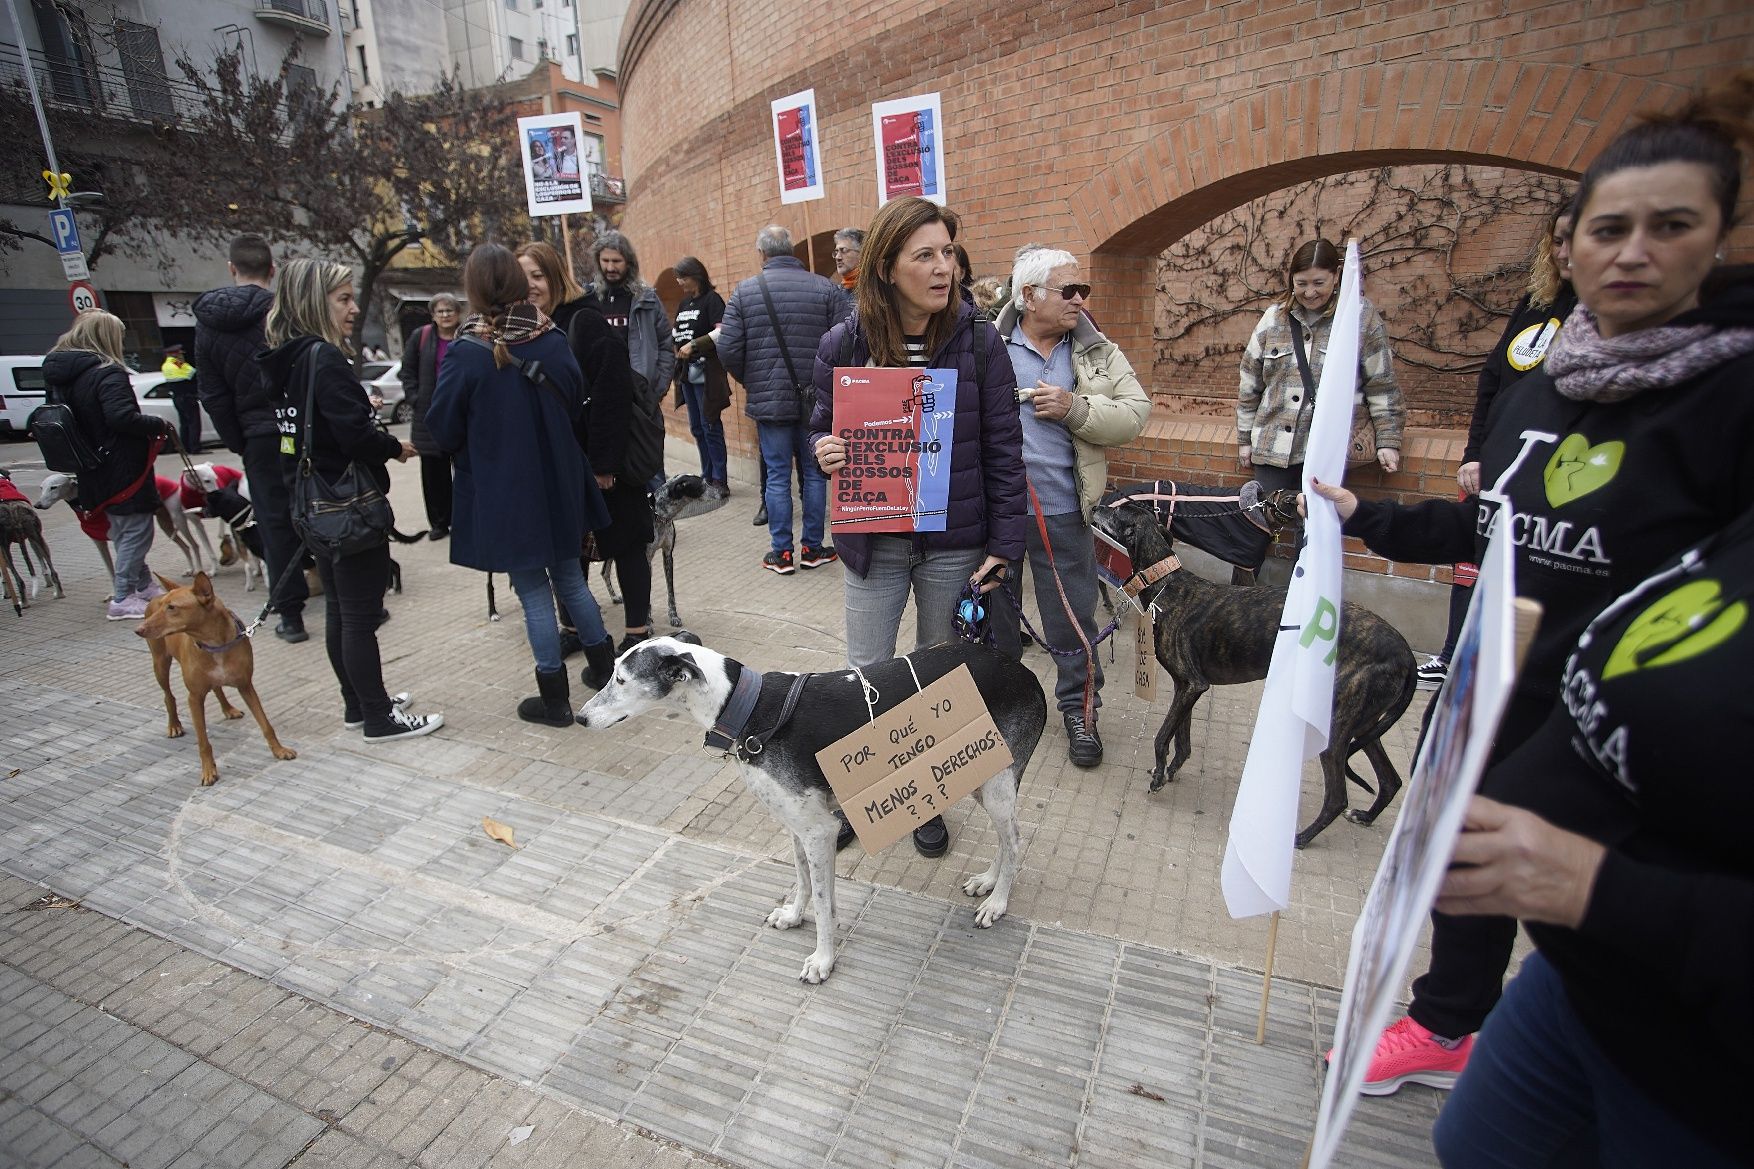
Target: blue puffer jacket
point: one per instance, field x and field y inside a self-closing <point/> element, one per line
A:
<point x="987" y="493"/>
<point x="749" y="345"/>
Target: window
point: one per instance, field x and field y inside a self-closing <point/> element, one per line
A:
<point x="149" y="91"/>
<point x="301" y="90"/>
<point x="516" y="46"/>
<point x="365" y="70"/>
<point x="512" y="4"/>
<point x="572" y="44"/>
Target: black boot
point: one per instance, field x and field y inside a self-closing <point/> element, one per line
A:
<point x="553" y="707"/>
<point x="599" y="664"/>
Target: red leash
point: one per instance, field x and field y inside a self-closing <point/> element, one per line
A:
<point x="1041" y="525"/>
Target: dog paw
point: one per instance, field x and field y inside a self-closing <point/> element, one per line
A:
<point x="786" y="917"/>
<point x="819" y="967"/>
<point x="980" y="884"/>
<point x="989" y="911"/>
<point x="174" y="731"/>
<point x="285" y="753"/>
<point x="209" y="776"/>
<point x="234" y="712"/>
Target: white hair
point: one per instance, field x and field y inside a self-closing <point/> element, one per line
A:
<point x="773" y="240"/>
<point x="1034" y="266"/>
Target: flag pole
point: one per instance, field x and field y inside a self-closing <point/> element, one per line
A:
<point x="1267" y="977"/>
<point x="566" y="244"/>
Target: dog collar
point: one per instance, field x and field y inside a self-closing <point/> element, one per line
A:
<point x="727" y="732"/>
<point x="1144" y="578"/>
<point x="242" y="634"/>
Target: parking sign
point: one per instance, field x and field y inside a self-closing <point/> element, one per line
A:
<point x="64" y="230"/>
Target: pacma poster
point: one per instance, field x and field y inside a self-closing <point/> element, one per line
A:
<point x="554" y="177"/>
<point x="797" y="144"/>
<point x="910" y="148"/>
<point x="899" y="426"/>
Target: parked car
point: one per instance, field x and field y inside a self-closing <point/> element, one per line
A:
<point x="21" y="391"/>
<point x="384" y="378"/>
<point x="154" y="395"/>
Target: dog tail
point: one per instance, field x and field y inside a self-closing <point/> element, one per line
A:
<point x="405" y="538"/>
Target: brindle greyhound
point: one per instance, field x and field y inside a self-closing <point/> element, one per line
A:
<point x="1209" y="635"/>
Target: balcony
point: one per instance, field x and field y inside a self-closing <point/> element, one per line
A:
<point x="137" y="94"/>
<point x="607" y="188"/>
<point x="307" y="16"/>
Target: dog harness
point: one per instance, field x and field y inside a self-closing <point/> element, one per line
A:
<point x="243" y="634"/>
<point x="728" y="734"/>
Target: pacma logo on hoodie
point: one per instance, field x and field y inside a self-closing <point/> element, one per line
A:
<point x="1574" y="470"/>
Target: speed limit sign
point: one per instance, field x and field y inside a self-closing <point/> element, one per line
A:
<point x="82" y="296"/>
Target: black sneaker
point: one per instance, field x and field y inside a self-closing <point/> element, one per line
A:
<point x="780" y="561"/>
<point x="760" y="520"/>
<point x="1085" y="749"/>
<point x="1431" y="673"/>
<point x="353" y="721"/>
<point x="847" y="835"/>
<point x="403" y="725"/>
<point x="631" y="640"/>
<point x="932" y="838"/>
<point x="817" y="557"/>
<point x="438" y="533"/>
<point x="291" y="632"/>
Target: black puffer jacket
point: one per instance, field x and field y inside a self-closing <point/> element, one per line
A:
<point x="228" y="336"/>
<point x="343" y="426"/>
<point x="102" y="400"/>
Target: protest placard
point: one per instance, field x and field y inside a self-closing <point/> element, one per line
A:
<point x="797" y="147"/>
<point x="899" y="426"/>
<point x="1432" y="807"/>
<point x="554" y="179"/>
<point x="910" y="148"/>
<point x="915" y="760"/>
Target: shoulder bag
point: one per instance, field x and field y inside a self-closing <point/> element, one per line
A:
<point x="340" y="517"/>
<point x="806" y="390"/>
<point x="1361" y="445"/>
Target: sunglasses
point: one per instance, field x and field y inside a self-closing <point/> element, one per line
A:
<point x="1068" y="291"/>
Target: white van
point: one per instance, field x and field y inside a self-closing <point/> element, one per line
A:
<point x="21" y="391"/>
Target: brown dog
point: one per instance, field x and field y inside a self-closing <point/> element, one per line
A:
<point x="195" y="627"/>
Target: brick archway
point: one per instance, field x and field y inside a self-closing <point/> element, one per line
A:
<point x="1549" y="118"/>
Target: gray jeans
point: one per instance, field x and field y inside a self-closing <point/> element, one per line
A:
<point x="131" y="537"/>
<point x="1075" y="558"/>
<point x="875" y="601"/>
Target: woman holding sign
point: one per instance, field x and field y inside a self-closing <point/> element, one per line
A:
<point x="1628" y="443"/>
<point x="908" y="313"/>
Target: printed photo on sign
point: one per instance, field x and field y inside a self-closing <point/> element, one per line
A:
<point x="909" y="135"/>
<point x="899" y="426"/>
<point x="797" y="146"/>
<point x="554" y="175"/>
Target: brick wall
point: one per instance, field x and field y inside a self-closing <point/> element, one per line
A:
<point x="1116" y="129"/>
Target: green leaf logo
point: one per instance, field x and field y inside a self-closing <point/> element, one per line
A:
<point x="1577" y="468"/>
<point x="1698" y="606"/>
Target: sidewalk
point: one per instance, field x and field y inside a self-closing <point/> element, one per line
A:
<point x="327" y="961"/>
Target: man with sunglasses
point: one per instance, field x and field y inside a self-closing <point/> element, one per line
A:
<point x="1076" y="394"/>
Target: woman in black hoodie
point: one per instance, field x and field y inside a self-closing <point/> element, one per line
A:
<point x="308" y="326"/>
<point x="85" y="371"/>
<point x="1630" y="442"/>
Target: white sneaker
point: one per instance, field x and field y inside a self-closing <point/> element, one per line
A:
<point x="397" y="702"/>
<point x="407" y="726"/>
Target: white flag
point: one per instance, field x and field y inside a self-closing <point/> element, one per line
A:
<point x="1298" y="703"/>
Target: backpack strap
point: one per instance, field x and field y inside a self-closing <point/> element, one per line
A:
<point x="530" y="369"/>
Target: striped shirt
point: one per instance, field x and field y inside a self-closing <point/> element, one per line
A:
<point x="917" y="357"/>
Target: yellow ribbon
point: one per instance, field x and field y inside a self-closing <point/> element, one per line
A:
<point x="60" y="185"/>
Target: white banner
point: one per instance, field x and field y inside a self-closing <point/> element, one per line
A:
<point x="797" y="145"/>
<point x="909" y="133"/>
<point x="554" y="174"/>
<point x="1297" y="705"/>
<point x="1432" y="807"/>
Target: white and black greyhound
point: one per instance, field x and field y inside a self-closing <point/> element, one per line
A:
<point x="774" y="724"/>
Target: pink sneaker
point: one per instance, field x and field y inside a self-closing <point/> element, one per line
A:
<point x="152" y="589"/>
<point x="1409" y="1054"/>
<point x="130" y="608"/>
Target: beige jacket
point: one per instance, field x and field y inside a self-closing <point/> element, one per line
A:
<point x="1109" y="406"/>
<point x="1271" y="415"/>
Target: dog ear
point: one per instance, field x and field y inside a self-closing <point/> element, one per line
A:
<point x="167" y="582"/>
<point x="681" y="668"/>
<point x="203" y="588"/>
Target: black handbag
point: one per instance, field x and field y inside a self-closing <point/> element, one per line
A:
<point x="335" y="517"/>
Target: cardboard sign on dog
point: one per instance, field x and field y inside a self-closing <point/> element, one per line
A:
<point x="915" y="760"/>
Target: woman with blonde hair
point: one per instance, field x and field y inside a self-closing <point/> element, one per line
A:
<point x="1282" y="366"/>
<point x="85" y="371"/>
<point x="308" y="326"/>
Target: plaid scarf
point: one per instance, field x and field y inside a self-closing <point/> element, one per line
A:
<point x="521" y="322"/>
<point x="1587" y="367"/>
